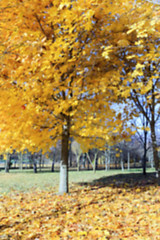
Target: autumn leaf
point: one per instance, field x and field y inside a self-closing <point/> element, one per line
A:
<point x="118" y="212"/>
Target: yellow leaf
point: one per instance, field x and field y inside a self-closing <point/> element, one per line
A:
<point x="123" y="43"/>
<point x="82" y="233"/>
<point x="107" y="233"/>
<point x="147" y="128"/>
<point x="107" y="51"/>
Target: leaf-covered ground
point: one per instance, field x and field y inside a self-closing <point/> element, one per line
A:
<point x="88" y="212"/>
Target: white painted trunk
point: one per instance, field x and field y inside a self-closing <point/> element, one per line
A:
<point x="122" y="164"/>
<point x="63" y="185"/>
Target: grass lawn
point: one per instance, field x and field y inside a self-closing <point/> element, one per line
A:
<point x="24" y="180"/>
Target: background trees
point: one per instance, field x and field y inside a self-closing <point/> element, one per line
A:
<point x="140" y="81"/>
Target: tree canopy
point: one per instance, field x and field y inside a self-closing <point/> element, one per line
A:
<point x="64" y="64"/>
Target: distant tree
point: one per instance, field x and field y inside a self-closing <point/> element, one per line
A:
<point x="7" y="163"/>
<point x="142" y="134"/>
<point x="76" y="149"/>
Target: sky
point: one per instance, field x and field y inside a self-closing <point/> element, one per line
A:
<point x="154" y="1"/>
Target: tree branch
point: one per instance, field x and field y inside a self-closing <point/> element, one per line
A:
<point x="42" y="29"/>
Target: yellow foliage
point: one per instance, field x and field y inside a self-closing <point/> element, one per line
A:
<point x="62" y="62"/>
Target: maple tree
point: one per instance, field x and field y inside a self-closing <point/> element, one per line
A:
<point x="62" y="67"/>
<point x="58" y="70"/>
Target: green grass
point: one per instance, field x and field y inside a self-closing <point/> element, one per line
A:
<point x="26" y="180"/>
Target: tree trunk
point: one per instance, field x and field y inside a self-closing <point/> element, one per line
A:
<point x="7" y="165"/>
<point x="83" y="160"/>
<point x="144" y="160"/>
<point x="122" y="163"/>
<point x="52" y="169"/>
<point x="153" y="134"/>
<point x="53" y="160"/>
<point x="34" y="163"/>
<point x="106" y="160"/>
<point x="128" y="161"/>
<point x="154" y="146"/>
<point x="40" y="162"/>
<point x="87" y="163"/>
<point x="78" y="162"/>
<point x="155" y="152"/>
<point x="109" y="157"/>
<point x="95" y="162"/>
<point x="63" y="186"/>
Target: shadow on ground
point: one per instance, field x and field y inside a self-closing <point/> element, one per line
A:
<point x="128" y="180"/>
